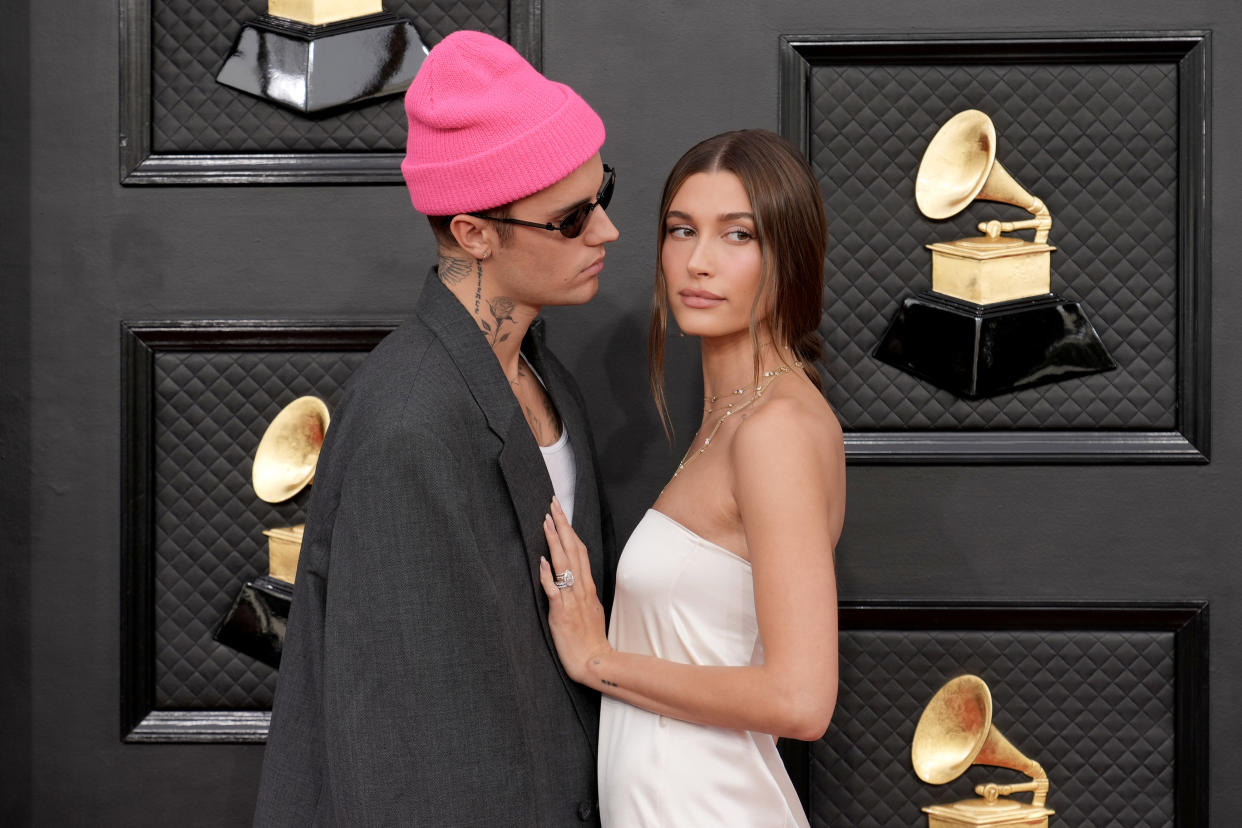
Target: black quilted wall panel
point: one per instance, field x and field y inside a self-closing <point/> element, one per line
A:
<point x="1095" y="708"/>
<point x="210" y="411"/>
<point x="1097" y="142"/>
<point x="192" y="113"/>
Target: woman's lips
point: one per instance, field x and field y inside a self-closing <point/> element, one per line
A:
<point x="699" y="299"/>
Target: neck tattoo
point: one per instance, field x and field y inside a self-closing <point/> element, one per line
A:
<point x="516" y="379"/>
<point x="478" y="291"/>
<point x="452" y="270"/>
<point x="501" y="308"/>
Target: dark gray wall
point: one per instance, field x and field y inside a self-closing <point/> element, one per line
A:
<point x="15" y="368"/>
<point x="82" y="253"/>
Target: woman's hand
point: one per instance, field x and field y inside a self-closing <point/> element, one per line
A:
<point x="575" y="614"/>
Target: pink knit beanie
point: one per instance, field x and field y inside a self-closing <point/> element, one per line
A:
<point x="487" y="129"/>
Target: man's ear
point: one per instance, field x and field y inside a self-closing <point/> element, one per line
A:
<point x="475" y="236"/>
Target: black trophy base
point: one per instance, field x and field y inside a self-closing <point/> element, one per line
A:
<point x="351" y="61"/>
<point x="980" y="351"/>
<point x="255" y="624"/>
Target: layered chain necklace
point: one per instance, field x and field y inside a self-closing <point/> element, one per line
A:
<point x="732" y="408"/>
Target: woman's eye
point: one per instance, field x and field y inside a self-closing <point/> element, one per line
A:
<point x="739" y="235"/>
<point x="680" y="232"/>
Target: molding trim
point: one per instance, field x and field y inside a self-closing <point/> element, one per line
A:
<point x="139" y="164"/>
<point x="1190" y="51"/>
<point x="1186" y="620"/>
<point x="140" y="343"/>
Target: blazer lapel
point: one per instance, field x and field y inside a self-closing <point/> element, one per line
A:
<point x="521" y="463"/>
<point x="454" y="326"/>
<point x="559" y="386"/>
<point x="525" y="473"/>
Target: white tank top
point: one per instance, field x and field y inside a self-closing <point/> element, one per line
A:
<point x="559" y="458"/>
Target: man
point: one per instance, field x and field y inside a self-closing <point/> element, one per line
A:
<point x="419" y="684"/>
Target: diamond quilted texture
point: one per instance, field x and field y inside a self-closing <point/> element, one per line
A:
<point x="1094" y="708"/>
<point x="1097" y="142"/>
<point x="191" y="113"/>
<point x="211" y="409"/>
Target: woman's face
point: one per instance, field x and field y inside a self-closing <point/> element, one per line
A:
<point x="711" y="258"/>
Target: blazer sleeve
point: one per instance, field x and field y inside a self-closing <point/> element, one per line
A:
<point x="401" y="674"/>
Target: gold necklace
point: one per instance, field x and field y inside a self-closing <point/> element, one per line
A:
<point x="774" y="375"/>
<point x="708" y="402"/>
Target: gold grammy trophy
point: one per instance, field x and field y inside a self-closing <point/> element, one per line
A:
<point x="284" y="464"/>
<point x="316" y="55"/>
<point x="990" y="323"/>
<point x="955" y="732"/>
<point x="958" y="167"/>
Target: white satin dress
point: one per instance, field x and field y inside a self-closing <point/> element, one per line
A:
<point x="686" y="599"/>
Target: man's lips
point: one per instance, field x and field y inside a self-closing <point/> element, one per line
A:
<point x="699" y="298"/>
<point x="594" y="267"/>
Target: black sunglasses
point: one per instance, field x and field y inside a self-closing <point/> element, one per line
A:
<point x="576" y="221"/>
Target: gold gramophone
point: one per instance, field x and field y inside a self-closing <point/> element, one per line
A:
<point x="991" y="322"/>
<point x="958" y="167"/>
<point x="284" y="464"/>
<point x="313" y="55"/>
<point x="955" y="732"/>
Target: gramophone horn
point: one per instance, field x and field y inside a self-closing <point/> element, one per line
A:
<point x="952" y="730"/>
<point x="956" y="164"/>
<point x="960" y="166"/>
<point x="284" y="462"/>
<point x="955" y="732"/>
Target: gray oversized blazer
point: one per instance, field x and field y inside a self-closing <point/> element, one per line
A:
<point x="419" y="684"/>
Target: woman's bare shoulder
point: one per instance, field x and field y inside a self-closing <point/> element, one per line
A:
<point x="787" y="464"/>
<point x="800" y="419"/>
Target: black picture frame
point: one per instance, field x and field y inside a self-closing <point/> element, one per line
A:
<point x="140" y="164"/>
<point x="1187" y="621"/>
<point x="141" y="342"/>
<point x="1189" y="441"/>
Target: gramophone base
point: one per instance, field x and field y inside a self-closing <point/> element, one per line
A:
<point x="313" y="68"/>
<point x="284" y="547"/>
<point x="986" y="271"/>
<point x="980" y="351"/>
<point x="255" y="624"/>
<point x="1003" y="813"/>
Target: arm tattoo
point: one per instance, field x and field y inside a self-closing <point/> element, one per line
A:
<point x="453" y="270"/>
<point x="604" y="680"/>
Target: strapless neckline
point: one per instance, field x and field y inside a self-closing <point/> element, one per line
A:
<point x="702" y="541"/>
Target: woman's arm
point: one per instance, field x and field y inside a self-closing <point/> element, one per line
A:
<point x="788" y="473"/>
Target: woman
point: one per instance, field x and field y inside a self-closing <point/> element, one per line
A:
<point x="724" y="626"/>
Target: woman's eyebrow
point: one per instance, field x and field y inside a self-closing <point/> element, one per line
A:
<point x="722" y="217"/>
